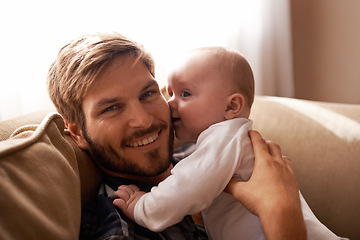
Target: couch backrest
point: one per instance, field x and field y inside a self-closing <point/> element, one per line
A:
<point x="323" y="142"/>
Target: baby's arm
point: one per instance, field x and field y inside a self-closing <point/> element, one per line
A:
<point x="192" y="185"/>
<point x="126" y="198"/>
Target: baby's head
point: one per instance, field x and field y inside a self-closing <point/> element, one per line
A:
<point x="212" y="85"/>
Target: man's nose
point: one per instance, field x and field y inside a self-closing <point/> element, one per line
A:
<point x="138" y="117"/>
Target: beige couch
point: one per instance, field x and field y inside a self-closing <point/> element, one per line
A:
<point x="45" y="177"/>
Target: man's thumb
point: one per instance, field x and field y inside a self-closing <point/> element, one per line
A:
<point x="235" y="189"/>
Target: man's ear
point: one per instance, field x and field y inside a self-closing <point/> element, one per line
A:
<point x="235" y="104"/>
<point x="77" y="135"/>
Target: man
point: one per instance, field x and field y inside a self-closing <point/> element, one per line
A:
<point x="104" y="87"/>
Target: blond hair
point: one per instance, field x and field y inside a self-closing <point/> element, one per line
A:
<point x="236" y="68"/>
<point x="79" y="63"/>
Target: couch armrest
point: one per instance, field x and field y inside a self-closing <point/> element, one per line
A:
<point x="46" y="179"/>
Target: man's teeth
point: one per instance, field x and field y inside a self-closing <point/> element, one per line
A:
<point x="144" y="141"/>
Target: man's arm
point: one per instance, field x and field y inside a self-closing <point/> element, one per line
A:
<point x="272" y="192"/>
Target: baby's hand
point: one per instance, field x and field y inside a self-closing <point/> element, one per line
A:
<point x="126" y="198"/>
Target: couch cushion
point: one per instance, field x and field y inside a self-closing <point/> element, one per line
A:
<point x="323" y="142"/>
<point x="7" y="127"/>
<point x="39" y="183"/>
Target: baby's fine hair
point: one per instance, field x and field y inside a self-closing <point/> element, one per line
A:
<point x="236" y="68"/>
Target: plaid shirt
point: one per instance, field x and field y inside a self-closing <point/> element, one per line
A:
<point x="101" y="220"/>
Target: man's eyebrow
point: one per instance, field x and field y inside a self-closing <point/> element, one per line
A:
<point x="107" y="101"/>
<point x="150" y="84"/>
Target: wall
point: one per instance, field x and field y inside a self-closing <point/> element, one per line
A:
<point x="326" y="49"/>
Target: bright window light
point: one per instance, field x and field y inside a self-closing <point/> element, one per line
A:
<point x="34" y="31"/>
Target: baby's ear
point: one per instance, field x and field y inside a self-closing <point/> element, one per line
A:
<point x="235" y="104"/>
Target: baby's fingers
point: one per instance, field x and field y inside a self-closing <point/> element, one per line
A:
<point x="134" y="187"/>
<point x="122" y="194"/>
<point x="125" y="191"/>
<point x="130" y="189"/>
<point x="120" y="203"/>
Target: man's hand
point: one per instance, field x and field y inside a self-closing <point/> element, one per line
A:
<point x="126" y="198"/>
<point x="272" y="192"/>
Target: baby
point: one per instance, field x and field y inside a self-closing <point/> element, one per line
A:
<point x="211" y="95"/>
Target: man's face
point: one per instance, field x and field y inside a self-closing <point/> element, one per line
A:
<point x="127" y="121"/>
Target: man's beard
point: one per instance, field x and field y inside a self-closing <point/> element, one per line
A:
<point x="109" y="159"/>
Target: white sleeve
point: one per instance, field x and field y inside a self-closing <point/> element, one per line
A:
<point x="195" y="182"/>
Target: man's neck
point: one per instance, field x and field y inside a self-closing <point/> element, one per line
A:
<point x="153" y="180"/>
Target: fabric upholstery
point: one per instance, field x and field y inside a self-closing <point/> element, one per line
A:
<point x="40" y="183"/>
<point x="45" y="178"/>
<point x="323" y="142"/>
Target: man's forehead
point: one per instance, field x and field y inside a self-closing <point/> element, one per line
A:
<point x="124" y="69"/>
<point x="120" y="78"/>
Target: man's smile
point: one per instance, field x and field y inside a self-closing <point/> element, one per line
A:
<point x="143" y="142"/>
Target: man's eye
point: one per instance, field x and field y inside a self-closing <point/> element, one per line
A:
<point x="185" y="94"/>
<point x="147" y="94"/>
<point x="109" y="109"/>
